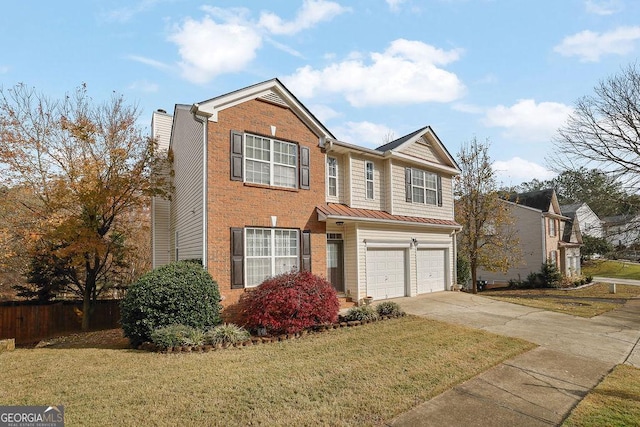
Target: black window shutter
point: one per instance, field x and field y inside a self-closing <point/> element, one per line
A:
<point x="439" y="190"/>
<point x="304" y="168"/>
<point x="407" y="184"/>
<point x="237" y="258"/>
<point x="305" y="251"/>
<point x="236" y="156"/>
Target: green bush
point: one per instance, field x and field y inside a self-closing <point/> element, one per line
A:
<point x="364" y="312"/>
<point x="227" y="333"/>
<point x="171" y="336"/>
<point x="463" y="270"/>
<point x="389" y="308"/>
<point x="178" y="293"/>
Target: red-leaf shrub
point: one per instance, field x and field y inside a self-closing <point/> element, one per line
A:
<point x="290" y="302"/>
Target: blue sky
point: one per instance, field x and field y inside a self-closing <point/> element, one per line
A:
<point x="504" y="70"/>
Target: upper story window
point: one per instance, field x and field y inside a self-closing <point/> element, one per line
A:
<point x="270" y="162"/>
<point x="266" y="161"/>
<point x="424" y="187"/>
<point x="332" y="175"/>
<point x="552" y="227"/>
<point x="368" y="176"/>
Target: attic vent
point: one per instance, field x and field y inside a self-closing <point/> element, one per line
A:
<point x="274" y="98"/>
<point x="423" y="140"/>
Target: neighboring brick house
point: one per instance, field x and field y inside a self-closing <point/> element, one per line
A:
<point x="262" y="187"/>
<point x="545" y="236"/>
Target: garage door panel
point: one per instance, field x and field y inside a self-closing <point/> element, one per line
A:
<point x="386" y="273"/>
<point x="431" y="270"/>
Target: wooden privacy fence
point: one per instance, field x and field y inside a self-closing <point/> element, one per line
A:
<point x="31" y="323"/>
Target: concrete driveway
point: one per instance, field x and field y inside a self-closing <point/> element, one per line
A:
<point x="537" y="388"/>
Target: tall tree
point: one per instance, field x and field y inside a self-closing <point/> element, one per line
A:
<point x="603" y="132"/>
<point x="488" y="238"/>
<point x="88" y="165"/>
<point x="602" y="192"/>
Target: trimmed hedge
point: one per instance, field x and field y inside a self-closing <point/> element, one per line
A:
<point x="289" y="303"/>
<point x="179" y="293"/>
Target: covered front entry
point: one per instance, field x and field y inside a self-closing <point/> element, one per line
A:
<point x="431" y="265"/>
<point x="386" y="273"/>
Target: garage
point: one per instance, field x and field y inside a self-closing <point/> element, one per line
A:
<point x="431" y="270"/>
<point x="386" y="273"/>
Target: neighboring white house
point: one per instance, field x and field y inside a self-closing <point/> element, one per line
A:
<point x="590" y="223"/>
<point x="622" y="230"/>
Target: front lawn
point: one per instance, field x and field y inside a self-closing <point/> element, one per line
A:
<point x="352" y="376"/>
<point x="615" y="402"/>
<point x="610" y="268"/>
<point x="585" y="302"/>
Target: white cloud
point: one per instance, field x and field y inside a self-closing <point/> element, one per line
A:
<point x="311" y="13"/>
<point x="324" y="113"/>
<point x="365" y="134"/>
<point x="406" y="73"/>
<point x="208" y="48"/>
<point x="144" y="86"/>
<point x="4" y="69"/>
<point x="227" y="40"/>
<point x="516" y="171"/>
<point x="125" y="14"/>
<point x="589" y="46"/>
<point x="603" y="7"/>
<point x="527" y="120"/>
<point x="148" y="61"/>
<point x="394" y="5"/>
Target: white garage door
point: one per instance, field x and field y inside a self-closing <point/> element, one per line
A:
<point x="431" y="270"/>
<point x="386" y="273"/>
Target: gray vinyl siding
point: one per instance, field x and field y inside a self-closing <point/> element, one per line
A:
<point x="160" y="208"/>
<point x="530" y="231"/>
<point x="187" y="201"/>
<point x="402" y="207"/>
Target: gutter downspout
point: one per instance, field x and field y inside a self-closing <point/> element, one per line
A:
<point x="203" y="121"/>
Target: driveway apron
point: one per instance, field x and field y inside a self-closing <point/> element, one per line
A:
<point x="539" y="387"/>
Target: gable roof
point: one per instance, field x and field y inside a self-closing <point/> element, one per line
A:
<point x="416" y="135"/>
<point x="272" y="91"/>
<point x="540" y="199"/>
<point x="570" y="209"/>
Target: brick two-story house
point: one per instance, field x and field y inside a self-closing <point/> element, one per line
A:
<point x="262" y="187"/>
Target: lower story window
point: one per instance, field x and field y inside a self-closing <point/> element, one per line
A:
<point x="269" y="252"/>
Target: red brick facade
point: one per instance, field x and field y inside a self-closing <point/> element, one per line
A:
<point x="238" y="204"/>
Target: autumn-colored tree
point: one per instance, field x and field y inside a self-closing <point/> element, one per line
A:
<point x="88" y="167"/>
<point x="488" y="238"/>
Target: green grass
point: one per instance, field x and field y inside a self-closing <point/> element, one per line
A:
<point x="615" y="402"/>
<point x="577" y="302"/>
<point x="352" y="376"/>
<point x="610" y="268"/>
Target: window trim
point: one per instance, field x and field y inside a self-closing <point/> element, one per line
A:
<point x="552" y="227"/>
<point x="424" y="187"/>
<point x="273" y="256"/>
<point x="271" y="162"/>
<point x="330" y="177"/>
<point x="368" y="180"/>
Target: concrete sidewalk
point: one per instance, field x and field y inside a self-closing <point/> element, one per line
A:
<point x="537" y="388"/>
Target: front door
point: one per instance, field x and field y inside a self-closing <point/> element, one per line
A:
<point x="335" y="270"/>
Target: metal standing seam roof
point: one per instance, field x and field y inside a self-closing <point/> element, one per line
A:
<point x="344" y="211"/>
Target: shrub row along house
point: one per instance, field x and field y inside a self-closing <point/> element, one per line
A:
<point x="261" y="187"/>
